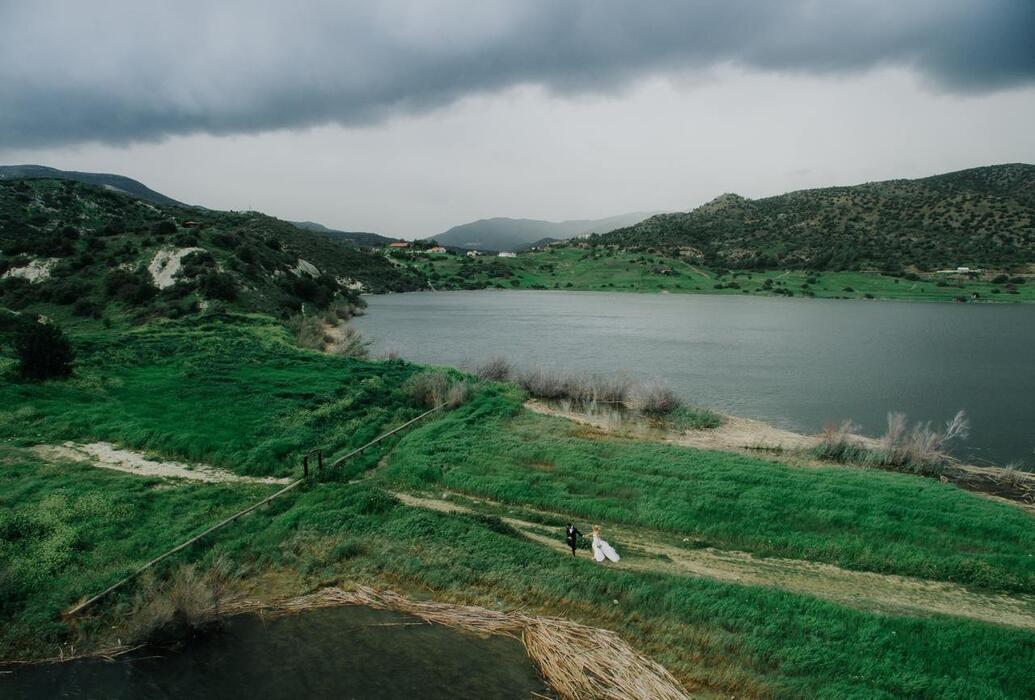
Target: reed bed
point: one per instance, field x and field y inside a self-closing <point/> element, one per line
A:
<point x="579" y="662"/>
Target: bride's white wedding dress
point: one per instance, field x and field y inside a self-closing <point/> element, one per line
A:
<point x="602" y="550"/>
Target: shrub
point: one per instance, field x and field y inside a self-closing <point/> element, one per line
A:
<point x="543" y="384"/>
<point x="656" y="398"/>
<point x="838" y="443"/>
<point x="169" y="612"/>
<point x="218" y="285"/>
<point x="346" y="341"/>
<point x="130" y="287"/>
<point x="309" y="332"/>
<point x="44" y="352"/>
<point x="430" y="388"/>
<point x="496" y="369"/>
<point x="694" y="418"/>
<point x="919" y="450"/>
<point x="163" y="228"/>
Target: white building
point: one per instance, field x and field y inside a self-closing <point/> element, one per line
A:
<point x="473" y="253"/>
<point x="507" y="254"/>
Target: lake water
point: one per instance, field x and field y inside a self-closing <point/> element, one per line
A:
<point x="797" y="363"/>
<point x="339" y="653"/>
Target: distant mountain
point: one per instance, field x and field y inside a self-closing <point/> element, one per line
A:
<point x="517" y="234"/>
<point x="118" y="183"/>
<point x="978" y="217"/>
<point x="359" y="238"/>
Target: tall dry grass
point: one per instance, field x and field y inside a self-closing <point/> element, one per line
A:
<point x="346" y="341"/>
<point x="435" y="388"/>
<point x="495" y="369"/>
<point x="187" y="602"/>
<point x="579" y="662"/>
<point x="919" y="449"/>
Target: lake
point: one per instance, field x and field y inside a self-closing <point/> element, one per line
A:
<point x="345" y="652"/>
<point x="797" y="363"/>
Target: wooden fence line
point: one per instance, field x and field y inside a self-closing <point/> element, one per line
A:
<point x="223" y="523"/>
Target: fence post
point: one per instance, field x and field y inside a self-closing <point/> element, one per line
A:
<point x="319" y="463"/>
<point x="305" y="467"/>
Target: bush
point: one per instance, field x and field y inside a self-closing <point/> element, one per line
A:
<point x="918" y="450"/>
<point x="218" y="285"/>
<point x="130" y="287"/>
<point x="429" y="388"/>
<point x="496" y="369"/>
<point x="656" y="399"/>
<point x="693" y="418"/>
<point x="179" y="608"/>
<point x="543" y="384"/>
<point x="346" y="341"/>
<point x="309" y="332"/>
<point x="44" y="352"/>
<point x="163" y="228"/>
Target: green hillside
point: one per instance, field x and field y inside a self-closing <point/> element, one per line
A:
<point x="982" y="217"/>
<point x="67" y="244"/>
<point x="118" y="183"/>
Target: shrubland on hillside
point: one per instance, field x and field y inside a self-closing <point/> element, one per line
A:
<point x="90" y="249"/>
<point x="982" y="217"/>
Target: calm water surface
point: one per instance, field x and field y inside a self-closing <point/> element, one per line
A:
<point x="797" y="363"/>
<point x="339" y="653"/>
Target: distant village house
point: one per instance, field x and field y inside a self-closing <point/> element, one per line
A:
<point x="507" y="254"/>
<point x="473" y="253"/>
<point x="398" y="245"/>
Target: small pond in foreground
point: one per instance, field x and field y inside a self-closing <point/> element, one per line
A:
<point x="340" y="653"/>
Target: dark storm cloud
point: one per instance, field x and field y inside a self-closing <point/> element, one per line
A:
<point x="127" y="71"/>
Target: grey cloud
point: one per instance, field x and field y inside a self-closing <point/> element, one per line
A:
<point x="119" y="72"/>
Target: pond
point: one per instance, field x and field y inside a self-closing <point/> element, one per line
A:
<point x="797" y="363"/>
<point x="340" y="653"/>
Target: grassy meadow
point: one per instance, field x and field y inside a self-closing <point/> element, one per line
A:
<point x="232" y="390"/>
<point x="858" y="519"/>
<point x="606" y="269"/>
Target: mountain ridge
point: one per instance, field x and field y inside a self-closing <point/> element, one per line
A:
<point x="120" y="183"/>
<point x="507" y="233"/>
<point x="976" y="216"/>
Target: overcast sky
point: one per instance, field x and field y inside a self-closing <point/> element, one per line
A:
<point x="406" y="118"/>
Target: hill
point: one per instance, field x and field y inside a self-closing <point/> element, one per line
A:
<point x="363" y="239"/>
<point x="119" y="183"/>
<point x="69" y="244"/>
<point x="502" y="233"/>
<point x="982" y="217"/>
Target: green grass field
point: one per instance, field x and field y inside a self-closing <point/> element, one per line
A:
<point x="233" y="391"/>
<point x="860" y="519"/>
<point x="623" y="271"/>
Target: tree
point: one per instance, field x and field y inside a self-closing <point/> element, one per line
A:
<point x="44" y="351"/>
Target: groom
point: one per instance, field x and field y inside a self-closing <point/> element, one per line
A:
<point x="572" y="534"/>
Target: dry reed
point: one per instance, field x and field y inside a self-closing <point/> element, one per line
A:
<point x="579" y="662"/>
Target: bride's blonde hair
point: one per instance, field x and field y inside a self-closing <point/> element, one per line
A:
<point x="596" y="528"/>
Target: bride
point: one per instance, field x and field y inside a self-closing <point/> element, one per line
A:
<point x="601" y="549"/>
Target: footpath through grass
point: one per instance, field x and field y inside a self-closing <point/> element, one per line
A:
<point x="90" y="526"/>
<point x="859" y="519"/>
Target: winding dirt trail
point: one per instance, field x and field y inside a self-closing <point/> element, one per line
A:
<point x="660" y="552"/>
<point x="107" y="456"/>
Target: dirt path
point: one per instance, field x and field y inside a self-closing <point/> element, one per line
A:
<point x="648" y="551"/>
<point x="107" y="456"/>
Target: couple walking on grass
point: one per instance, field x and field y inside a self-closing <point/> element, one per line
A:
<point x="601" y="549"/>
